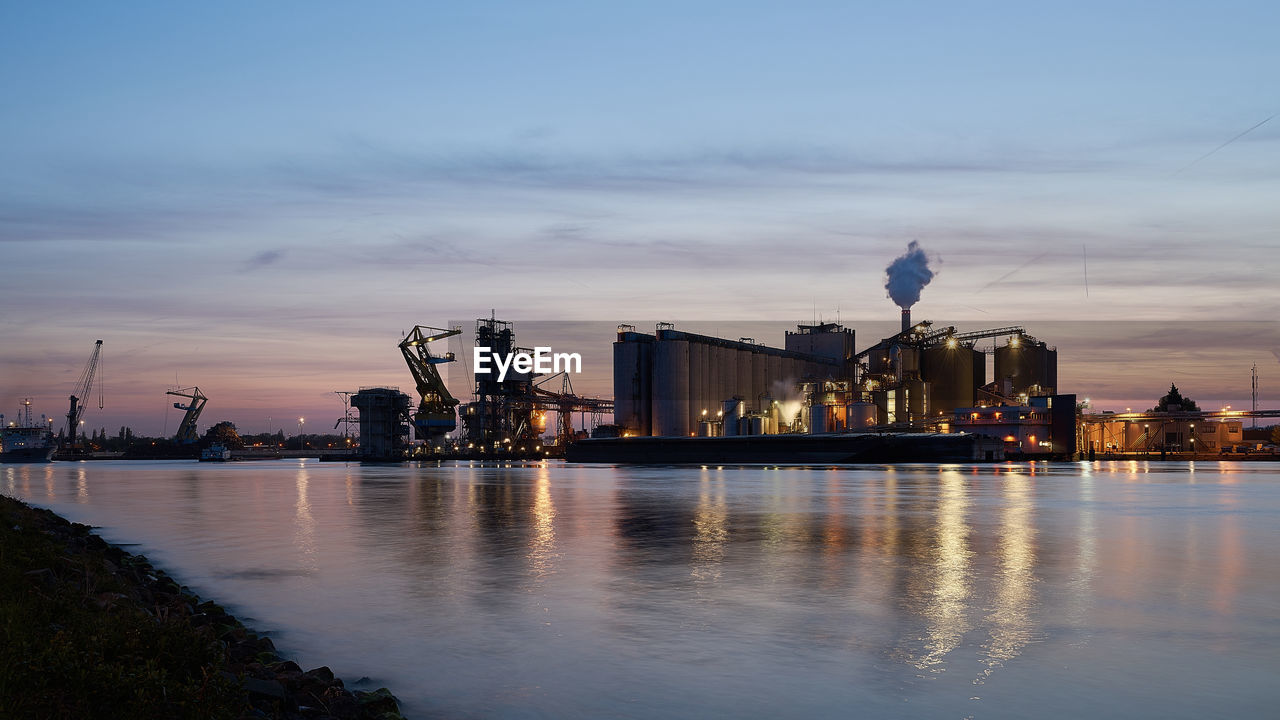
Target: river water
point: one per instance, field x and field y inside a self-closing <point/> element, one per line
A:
<point x="561" y="591"/>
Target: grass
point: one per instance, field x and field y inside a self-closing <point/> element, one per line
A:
<point x="78" y="639"/>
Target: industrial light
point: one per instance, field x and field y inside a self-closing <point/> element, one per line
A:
<point x="952" y="342"/>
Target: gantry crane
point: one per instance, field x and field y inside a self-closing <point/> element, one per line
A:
<point x="81" y="393"/>
<point x="565" y="403"/>
<point x="187" y="430"/>
<point x="436" y="414"/>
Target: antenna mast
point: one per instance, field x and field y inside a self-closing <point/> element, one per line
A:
<point x="1255" y="393"/>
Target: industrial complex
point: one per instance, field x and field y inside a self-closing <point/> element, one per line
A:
<point x="928" y="392"/>
<point x="906" y="390"/>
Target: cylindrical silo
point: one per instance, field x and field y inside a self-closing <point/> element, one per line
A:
<point x="1028" y="365"/>
<point x="697" y="382"/>
<point x="759" y="373"/>
<point x="950" y="374"/>
<point x="917" y="399"/>
<point x="626" y="385"/>
<point x="671" y="387"/>
<point x="818" y="418"/>
<point x="861" y="415"/>
<point x="773" y="374"/>
<point x="742" y="388"/>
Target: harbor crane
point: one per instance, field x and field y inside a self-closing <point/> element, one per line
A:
<point x="82" y="390"/>
<point x="187" y="430"/>
<point x="565" y="403"/>
<point x="436" y="414"/>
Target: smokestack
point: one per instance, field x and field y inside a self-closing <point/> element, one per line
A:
<point x="906" y="319"/>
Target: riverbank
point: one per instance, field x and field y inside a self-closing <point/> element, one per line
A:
<point x="88" y="630"/>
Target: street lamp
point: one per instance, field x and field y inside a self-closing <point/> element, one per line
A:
<point x="300" y="421"/>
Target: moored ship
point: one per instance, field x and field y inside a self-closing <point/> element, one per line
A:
<point x="25" y="441"/>
<point x="216" y="452"/>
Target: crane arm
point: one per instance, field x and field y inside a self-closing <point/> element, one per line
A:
<point x="422" y="363"/>
<point x="82" y="389"/>
<point x="187" y="430"/>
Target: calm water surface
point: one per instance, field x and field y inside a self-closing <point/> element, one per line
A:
<point x="561" y="591"/>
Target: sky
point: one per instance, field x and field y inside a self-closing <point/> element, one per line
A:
<point x="261" y="199"/>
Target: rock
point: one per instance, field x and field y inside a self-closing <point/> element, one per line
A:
<point x="269" y="689"/>
<point x="322" y="673"/>
<point x="377" y="703"/>
<point x="44" y="576"/>
<point x="285" y="666"/>
<point x="340" y="703"/>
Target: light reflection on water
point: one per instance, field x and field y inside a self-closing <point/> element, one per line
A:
<point x="1117" y="589"/>
<point x="306" y="524"/>
<point x="1010" y="625"/>
<point x="947" y="610"/>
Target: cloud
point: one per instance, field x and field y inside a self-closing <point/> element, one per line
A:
<point x="263" y="259"/>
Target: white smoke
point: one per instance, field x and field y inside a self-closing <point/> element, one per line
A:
<point x="908" y="275"/>
<point x="790" y="400"/>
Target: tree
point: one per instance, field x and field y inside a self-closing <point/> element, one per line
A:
<point x="1174" y="402"/>
<point x="224" y="433"/>
<point x="1275" y="435"/>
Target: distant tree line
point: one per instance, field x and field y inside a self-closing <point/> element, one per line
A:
<point x="224" y="432"/>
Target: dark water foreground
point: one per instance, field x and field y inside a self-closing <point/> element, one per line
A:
<point x="547" y="591"/>
<point x="88" y="630"/>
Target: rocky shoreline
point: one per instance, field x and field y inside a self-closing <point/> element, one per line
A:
<point x="90" y="630"/>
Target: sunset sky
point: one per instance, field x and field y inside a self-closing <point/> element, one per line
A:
<point x="262" y="198"/>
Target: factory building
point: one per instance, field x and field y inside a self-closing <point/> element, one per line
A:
<point x="1153" y="433"/>
<point x="384" y="423"/>
<point x="924" y="378"/>
<point x="1044" y="427"/>
<point x="676" y="383"/>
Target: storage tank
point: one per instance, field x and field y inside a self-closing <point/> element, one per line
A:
<point x="861" y="415"/>
<point x="697" y="382"/>
<point x="774" y="374"/>
<point x="950" y="372"/>
<point x="917" y="399"/>
<point x="1027" y="364"/>
<point x="818" y="419"/>
<point x="732" y="409"/>
<point x="727" y="370"/>
<point x="633" y="383"/>
<point x="671" y="387"/>
<point x="743" y="386"/>
<point x="759" y="373"/>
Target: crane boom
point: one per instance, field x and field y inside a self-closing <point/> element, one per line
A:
<point x="82" y="390"/>
<point x="436" y="414"/>
<point x="187" y="430"/>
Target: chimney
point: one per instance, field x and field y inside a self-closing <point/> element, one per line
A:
<point x="906" y="319"/>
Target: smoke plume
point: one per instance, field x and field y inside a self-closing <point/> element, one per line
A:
<point x="908" y="275"/>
